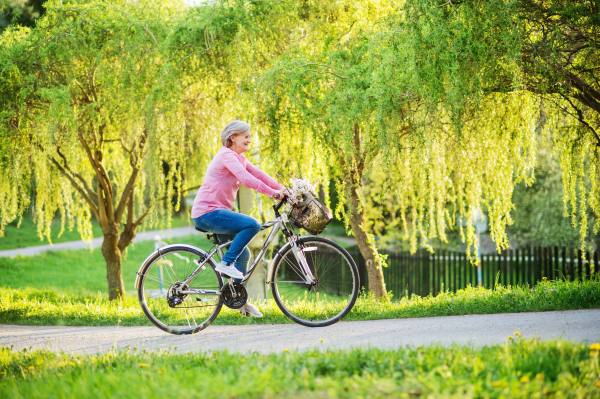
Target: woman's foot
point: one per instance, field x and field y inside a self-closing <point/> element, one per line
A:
<point x="249" y="309"/>
<point x="229" y="270"/>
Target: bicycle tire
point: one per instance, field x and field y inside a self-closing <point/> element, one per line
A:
<point x="159" y="312"/>
<point x="292" y="295"/>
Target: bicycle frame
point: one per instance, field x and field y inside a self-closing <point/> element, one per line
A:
<point x="276" y="225"/>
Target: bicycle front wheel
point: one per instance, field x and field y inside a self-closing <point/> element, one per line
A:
<point x="330" y="298"/>
<point x="179" y="313"/>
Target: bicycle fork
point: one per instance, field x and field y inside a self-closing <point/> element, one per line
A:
<point x="308" y="276"/>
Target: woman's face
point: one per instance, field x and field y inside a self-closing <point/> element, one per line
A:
<point x="240" y="142"/>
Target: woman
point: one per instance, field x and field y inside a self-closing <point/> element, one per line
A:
<point x="212" y="206"/>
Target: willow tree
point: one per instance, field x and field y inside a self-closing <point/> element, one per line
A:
<point x="465" y="51"/>
<point x="316" y="104"/>
<point x="92" y="117"/>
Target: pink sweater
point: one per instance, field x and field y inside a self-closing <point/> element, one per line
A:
<point x="222" y="180"/>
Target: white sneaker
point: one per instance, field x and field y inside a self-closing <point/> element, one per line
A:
<point x="250" y="309"/>
<point x="229" y="271"/>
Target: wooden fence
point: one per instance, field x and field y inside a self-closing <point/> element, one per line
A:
<point x="423" y="273"/>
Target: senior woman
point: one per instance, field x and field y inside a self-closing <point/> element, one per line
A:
<point x="212" y="206"/>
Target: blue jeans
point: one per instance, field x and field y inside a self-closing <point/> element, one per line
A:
<point x="229" y="225"/>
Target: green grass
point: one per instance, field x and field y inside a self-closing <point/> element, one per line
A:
<point x="26" y="234"/>
<point x="69" y="288"/>
<point x="56" y="307"/>
<point x="520" y="368"/>
<point x="78" y="272"/>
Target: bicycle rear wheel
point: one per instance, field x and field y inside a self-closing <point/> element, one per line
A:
<point x="179" y="314"/>
<point x="335" y="292"/>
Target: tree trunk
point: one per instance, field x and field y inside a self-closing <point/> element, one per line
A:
<point x="114" y="275"/>
<point x="366" y="245"/>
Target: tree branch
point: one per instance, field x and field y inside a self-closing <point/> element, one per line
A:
<point x="128" y="190"/>
<point x="90" y="192"/>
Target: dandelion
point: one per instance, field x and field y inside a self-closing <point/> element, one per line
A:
<point x="539" y="376"/>
<point x="517" y="333"/>
<point x="524" y="379"/>
<point x="143" y="365"/>
<point x="286" y="350"/>
<point x="87" y="300"/>
<point x="109" y="355"/>
<point x="321" y="339"/>
<point x="243" y="360"/>
<point x="595" y="347"/>
<point x="544" y="278"/>
<point x="510" y="337"/>
<point x="598" y="384"/>
<point x="31" y="368"/>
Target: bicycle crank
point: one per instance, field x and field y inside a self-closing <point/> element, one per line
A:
<point x="235" y="298"/>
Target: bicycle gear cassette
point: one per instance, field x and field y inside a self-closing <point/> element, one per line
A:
<point x="241" y="296"/>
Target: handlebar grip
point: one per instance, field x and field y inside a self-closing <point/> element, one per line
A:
<point x="279" y="205"/>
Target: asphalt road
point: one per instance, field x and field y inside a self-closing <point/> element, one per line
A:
<point x="477" y="330"/>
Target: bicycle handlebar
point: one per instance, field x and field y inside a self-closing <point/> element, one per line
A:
<point x="279" y="205"/>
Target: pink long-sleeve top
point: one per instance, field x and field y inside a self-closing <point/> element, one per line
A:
<point x="224" y="175"/>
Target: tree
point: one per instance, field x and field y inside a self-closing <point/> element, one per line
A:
<point x="465" y="51"/>
<point x="317" y="107"/>
<point x="90" y="116"/>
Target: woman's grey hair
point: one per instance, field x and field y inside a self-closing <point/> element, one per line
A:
<point x="232" y="129"/>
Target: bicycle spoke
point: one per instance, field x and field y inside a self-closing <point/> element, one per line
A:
<point x="334" y="292"/>
<point x="174" y="312"/>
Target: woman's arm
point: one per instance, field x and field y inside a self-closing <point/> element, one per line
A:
<point x="262" y="176"/>
<point x="233" y="164"/>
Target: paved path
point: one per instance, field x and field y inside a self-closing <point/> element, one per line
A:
<point x="478" y="330"/>
<point x="143" y="236"/>
<point x="97" y="242"/>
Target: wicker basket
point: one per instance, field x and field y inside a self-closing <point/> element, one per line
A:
<point x="311" y="215"/>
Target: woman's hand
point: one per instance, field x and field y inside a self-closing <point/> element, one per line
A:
<point x="279" y="194"/>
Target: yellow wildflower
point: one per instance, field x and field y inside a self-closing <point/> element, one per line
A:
<point x="321" y="339"/>
<point x="143" y="365"/>
<point x="87" y="300"/>
<point x="598" y="384"/>
<point x="524" y="379"/>
<point x="286" y="350"/>
<point x="539" y="376"/>
<point x="31" y="368"/>
<point x="243" y="360"/>
<point x="496" y="383"/>
<point x="595" y="347"/>
<point x="517" y="333"/>
<point x="510" y="337"/>
<point x="544" y="278"/>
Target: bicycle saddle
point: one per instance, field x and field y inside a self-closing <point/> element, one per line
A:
<point x="200" y="230"/>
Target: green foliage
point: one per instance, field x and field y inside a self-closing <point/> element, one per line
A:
<point x="520" y="368"/>
<point x="462" y="53"/>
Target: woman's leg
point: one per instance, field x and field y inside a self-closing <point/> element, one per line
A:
<point x="226" y="222"/>
<point x="241" y="263"/>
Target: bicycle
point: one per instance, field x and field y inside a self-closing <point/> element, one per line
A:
<point x="314" y="281"/>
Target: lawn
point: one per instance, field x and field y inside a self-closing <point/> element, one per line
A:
<point x="520" y="368"/>
<point x="69" y="288"/>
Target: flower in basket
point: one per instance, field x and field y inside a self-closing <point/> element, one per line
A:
<point x="296" y="196"/>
